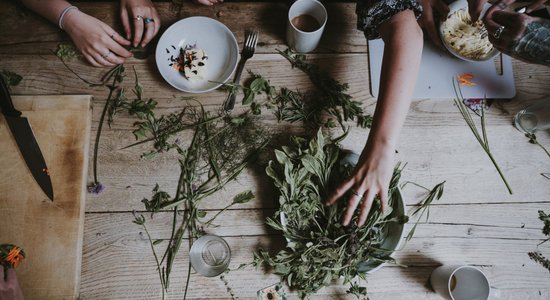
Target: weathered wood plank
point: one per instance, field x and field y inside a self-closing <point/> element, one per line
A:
<point x="118" y="264"/>
<point x="463" y="222"/>
<point x="30" y="34"/>
<point x="444" y="153"/>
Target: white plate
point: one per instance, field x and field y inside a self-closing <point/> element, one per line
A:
<point x="213" y="37"/>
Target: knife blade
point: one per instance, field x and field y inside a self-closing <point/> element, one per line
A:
<point x="24" y="137"/>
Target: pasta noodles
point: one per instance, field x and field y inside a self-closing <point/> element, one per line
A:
<point x="466" y="38"/>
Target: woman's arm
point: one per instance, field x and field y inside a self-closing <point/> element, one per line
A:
<point x="402" y="51"/>
<point x="98" y="42"/>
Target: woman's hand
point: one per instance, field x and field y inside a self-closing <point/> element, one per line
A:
<point x="370" y="178"/>
<point x="99" y="43"/>
<point x="519" y="35"/>
<point x="434" y="11"/>
<point x="207" y="2"/>
<point x="475" y="7"/>
<point x="140" y="20"/>
<point x="9" y="288"/>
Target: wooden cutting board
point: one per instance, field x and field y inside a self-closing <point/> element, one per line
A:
<point x="49" y="232"/>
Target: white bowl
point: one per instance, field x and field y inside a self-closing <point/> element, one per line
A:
<point x="458" y="5"/>
<point x="217" y="41"/>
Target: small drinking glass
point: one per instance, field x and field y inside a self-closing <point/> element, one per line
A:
<point x="534" y="117"/>
<point x="210" y="255"/>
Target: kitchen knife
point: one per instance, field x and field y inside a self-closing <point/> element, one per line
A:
<point x="24" y="137"/>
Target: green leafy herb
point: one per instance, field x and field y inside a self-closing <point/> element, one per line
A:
<point x="140" y="220"/>
<point x="221" y="147"/>
<point x="533" y="140"/>
<point x="331" y="94"/>
<point x="537" y="256"/>
<point x="424" y="206"/>
<point x="481" y="138"/>
<point x="358" y="291"/>
<point x="11" y="78"/>
<point x="116" y="74"/>
<point x="320" y="249"/>
<point x="66" y="51"/>
<point x="139" y="52"/>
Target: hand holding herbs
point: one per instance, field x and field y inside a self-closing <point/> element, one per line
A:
<point x="320" y="249"/>
<point x="368" y="182"/>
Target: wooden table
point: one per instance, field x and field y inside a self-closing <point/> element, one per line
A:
<point x="477" y="222"/>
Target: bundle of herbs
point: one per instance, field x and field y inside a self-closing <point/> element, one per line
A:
<point x="220" y="148"/>
<point x="319" y="248"/>
<point x="328" y="104"/>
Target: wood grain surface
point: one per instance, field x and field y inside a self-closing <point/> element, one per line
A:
<point x="49" y="232"/>
<point x="476" y="222"/>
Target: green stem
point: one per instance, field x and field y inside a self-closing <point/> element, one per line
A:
<point x="499" y="171"/>
<point x="543" y="148"/>
<point x="156" y="258"/>
<point x="207" y="223"/>
<point x="103" y="113"/>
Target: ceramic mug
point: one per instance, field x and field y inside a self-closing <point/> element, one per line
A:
<point x="460" y="283"/>
<point x="305" y="24"/>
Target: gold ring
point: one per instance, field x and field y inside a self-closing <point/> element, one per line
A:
<point x="139" y="18"/>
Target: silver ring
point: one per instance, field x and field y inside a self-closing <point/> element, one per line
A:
<point x="138" y="17"/>
<point x="354" y="192"/>
<point x="498" y="32"/>
<point x="149" y="20"/>
<point x="105" y="56"/>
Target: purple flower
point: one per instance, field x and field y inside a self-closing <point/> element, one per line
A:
<point x="95" y="188"/>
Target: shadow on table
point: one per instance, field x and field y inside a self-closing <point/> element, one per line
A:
<point x="419" y="268"/>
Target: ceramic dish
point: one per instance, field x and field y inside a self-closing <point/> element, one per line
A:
<point x="217" y="41"/>
<point x="451" y="39"/>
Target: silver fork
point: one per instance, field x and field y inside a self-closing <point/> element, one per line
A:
<point x="250" y="42"/>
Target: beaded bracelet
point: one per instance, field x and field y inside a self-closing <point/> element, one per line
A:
<point x="63" y="13"/>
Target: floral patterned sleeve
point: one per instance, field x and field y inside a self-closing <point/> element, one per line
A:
<point x="372" y="13"/>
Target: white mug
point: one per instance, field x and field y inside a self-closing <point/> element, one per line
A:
<point x="300" y="40"/>
<point x="460" y="283"/>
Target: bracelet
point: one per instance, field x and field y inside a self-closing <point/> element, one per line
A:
<point x="63" y="13"/>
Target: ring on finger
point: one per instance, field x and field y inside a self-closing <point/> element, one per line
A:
<point x="354" y="192"/>
<point x="498" y="32"/>
<point x="149" y="20"/>
<point x="112" y="36"/>
<point x="138" y="17"/>
<point x="106" y="54"/>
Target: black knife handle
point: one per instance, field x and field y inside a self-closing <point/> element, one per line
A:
<point x="5" y="101"/>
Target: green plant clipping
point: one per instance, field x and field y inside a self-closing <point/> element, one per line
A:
<point x="11" y="78"/>
<point x="480" y="137"/>
<point x="320" y="249"/>
<point x="537" y="256"/>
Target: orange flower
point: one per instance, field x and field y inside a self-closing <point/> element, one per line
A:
<point x="15" y="256"/>
<point x="464" y="79"/>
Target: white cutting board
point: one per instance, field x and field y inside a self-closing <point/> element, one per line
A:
<point x="438" y="68"/>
